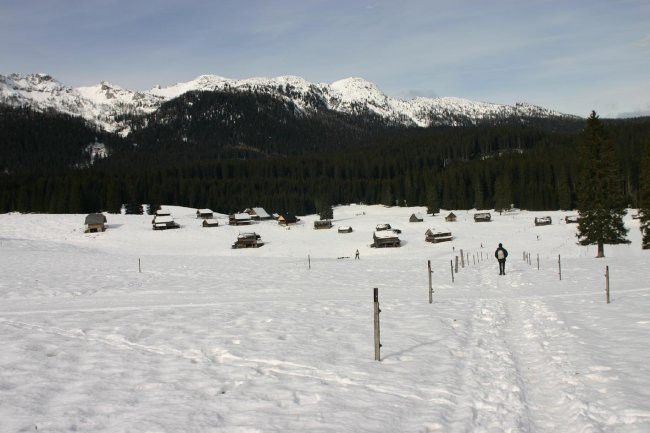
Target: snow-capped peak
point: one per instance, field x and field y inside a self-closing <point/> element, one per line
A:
<point x="106" y="103"/>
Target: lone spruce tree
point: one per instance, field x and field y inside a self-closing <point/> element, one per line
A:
<point x="644" y="197"/>
<point x="601" y="203"/>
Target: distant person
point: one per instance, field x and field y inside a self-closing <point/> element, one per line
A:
<point x="501" y="254"/>
<point x="356" y="255"/>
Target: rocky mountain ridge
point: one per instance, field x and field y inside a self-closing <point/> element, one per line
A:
<point x="106" y="104"/>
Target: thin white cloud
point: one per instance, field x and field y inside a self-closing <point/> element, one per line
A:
<point x="645" y="42"/>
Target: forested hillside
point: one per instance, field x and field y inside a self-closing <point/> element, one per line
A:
<point x="231" y="151"/>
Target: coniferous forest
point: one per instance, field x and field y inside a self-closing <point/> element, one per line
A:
<point x="230" y="151"/>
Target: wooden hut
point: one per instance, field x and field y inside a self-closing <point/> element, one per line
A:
<point x="345" y="229"/>
<point x="210" y="223"/>
<point x="482" y="217"/>
<point x="385" y="239"/>
<point x="416" y="218"/>
<point x="543" y="221"/>
<point x="95" y="222"/>
<point x="382" y="227"/>
<point x="436" y="237"/>
<point x="286" y="218"/>
<point x="451" y="218"/>
<point x="571" y="219"/>
<point x="239" y="219"/>
<point x="248" y="240"/>
<point x="205" y="214"/>
<point x="322" y="224"/>
<point x="164" y="222"/>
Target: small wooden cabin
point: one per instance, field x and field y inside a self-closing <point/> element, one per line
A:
<point x="286" y="218"/>
<point x="95" y="222"/>
<point x="571" y="219"/>
<point x="205" y="214"/>
<point x="345" y="229"/>
<point x="482" y="217"/>
<point x="160" y="213"/>
<point x="210" y="223"/>
<point x="258" y="213"/>
<point x="382" y="227"/>
<point x="248" y="240"/>
<point x="239" y="219"/>
<point x="451" y="218"/>
<point x="543" y="221"/>
<point x="385" y="239"/>
<point x="435" y="237"/>
<point x="164" y="222"/>
<point x="322" y="224"/>
<point x="416" y="218"/>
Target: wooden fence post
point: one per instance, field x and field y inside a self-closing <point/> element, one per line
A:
<point x="139" y="266"/>
<point x="376" y="314"/>
<point x="462" y="259"/>
<point x="309" y="260"/>
<point x="607" y="283"/>
<point x="456" y="268"/>
<point x="467" y="259"/>
<point x="430" y="283"/>
<point x="451" y="265"/>
<point x="559" y="266"/>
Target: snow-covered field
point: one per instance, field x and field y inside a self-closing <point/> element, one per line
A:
<point x="211" y="339"/>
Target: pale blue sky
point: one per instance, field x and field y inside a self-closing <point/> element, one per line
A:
<point x="572" y="56"/>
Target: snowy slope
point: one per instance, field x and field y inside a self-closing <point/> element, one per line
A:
<point x="211" y="339"/>
<point x="104" y="103"/>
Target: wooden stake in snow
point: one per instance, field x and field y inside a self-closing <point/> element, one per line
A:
<point x="451" y="265"/>
<point x="468" y="259"/>
<point x="559" y="266"/>
<point x="376" y="314"/>
<point x="607" y="283"/>
<point x="430" y="282"/>
<point x="309" y="260"/>
<point x="462" y="259"/>
<point x="139" y="266"/>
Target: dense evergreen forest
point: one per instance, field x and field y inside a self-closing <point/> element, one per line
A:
<point x="269" y="154"/>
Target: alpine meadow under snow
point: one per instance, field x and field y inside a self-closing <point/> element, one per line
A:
<point x="211" y="339"/>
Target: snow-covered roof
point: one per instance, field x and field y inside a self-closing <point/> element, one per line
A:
<point x="385" y="234"/>
<point x="204" y="211"/>
<point x="242" y="216"/>
<point x="163" y="219"/>
<point x="260" y="212"/>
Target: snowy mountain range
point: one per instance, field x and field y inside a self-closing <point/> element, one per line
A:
<point x="105" y="104"/>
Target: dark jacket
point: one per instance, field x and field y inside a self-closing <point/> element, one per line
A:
<point x="505" y="253"/>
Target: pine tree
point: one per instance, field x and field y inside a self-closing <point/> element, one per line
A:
<point x="644" y="197"/>
<point x="502" y="193"/>
<point x="601" y="204"/>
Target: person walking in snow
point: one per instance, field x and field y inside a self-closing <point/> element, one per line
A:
<point x="501" y="254"/>
<point x="356" y="255"/>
